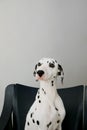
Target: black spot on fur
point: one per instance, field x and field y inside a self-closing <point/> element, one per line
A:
<point x="31" y="114"/>
<point x="56" y="108"/>
<point x="44" y="91"/>
<point x="38" y="96"/>
<point x="38" y="123"/>
<point x="59" y="73"/>
<point x="33" y="120"/>
<point x="52" y="82"/>
<point x="58" y="121"/>
<point x="48" y="125"/>
<point x="28" y="123"/>
<point x="39" y="101"/>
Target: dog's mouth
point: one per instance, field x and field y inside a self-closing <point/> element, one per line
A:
<point x="39" y="78"/>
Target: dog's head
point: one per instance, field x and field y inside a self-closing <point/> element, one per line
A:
<point x="48" y="68"/>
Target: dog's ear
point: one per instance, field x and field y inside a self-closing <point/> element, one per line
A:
<point x="34" y="73"/>
<point x="60" y="73"/>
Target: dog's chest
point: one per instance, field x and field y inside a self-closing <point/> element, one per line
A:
<point x="43" y="111"/>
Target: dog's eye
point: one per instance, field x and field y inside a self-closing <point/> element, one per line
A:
<point x="39" y="64"/>
<point x="51" y="65"/>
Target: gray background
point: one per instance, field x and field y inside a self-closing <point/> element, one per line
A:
<point x="32" y="29"/>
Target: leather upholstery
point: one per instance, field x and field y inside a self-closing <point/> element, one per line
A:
<point x="19" y="98"/>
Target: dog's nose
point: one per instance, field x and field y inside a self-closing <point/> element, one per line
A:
<point x="40" y="72"/>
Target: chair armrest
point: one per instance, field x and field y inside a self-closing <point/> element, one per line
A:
<point x="5" y="119"/>
<point x="85" y="109"/>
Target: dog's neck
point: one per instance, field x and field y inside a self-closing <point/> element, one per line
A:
<point x="49" y="87"/>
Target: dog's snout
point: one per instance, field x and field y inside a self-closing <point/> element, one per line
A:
<point x="40" y="72"/>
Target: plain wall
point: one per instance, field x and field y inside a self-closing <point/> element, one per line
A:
<point x="32" y="29"/>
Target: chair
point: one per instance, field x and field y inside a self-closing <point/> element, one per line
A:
<point x="19" y="98"/>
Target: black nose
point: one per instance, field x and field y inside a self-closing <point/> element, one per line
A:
<point x="40" y="72"/>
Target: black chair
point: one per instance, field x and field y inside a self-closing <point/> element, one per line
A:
<point x="19" y="98"/>
<point x="85" y="109"/>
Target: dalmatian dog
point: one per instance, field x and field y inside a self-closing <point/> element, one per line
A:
<point x="47" y="111"/>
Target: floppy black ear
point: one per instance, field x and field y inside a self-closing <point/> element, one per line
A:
<point x="34" y="73"/>
<point x="60" y="67"/>
<point x="60" y="72"/>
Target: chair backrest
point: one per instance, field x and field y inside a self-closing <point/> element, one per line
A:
<point x="22" y="98"/>
<point x="73" y="101"/>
